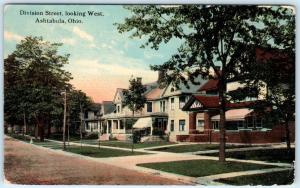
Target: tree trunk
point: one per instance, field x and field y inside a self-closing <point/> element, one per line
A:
<point x="222" y="89"/>
<point x="288" y="139"/>
<point x="48" y="125"/>
<point x="41" y="129"/>
<point x="5" y="129"/>
<point x="48" y="130"/>
<point x="64" y="120"/>
<point x="24" y="126"/>
<point x="36" y="131"/>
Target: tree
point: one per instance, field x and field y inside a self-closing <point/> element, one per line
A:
<point x="78" y="102"/>
<point x="134" y="97"/>
<point x="210" y="36"/>
<point x="276" y="75"/>
<point x="40" y="77"/>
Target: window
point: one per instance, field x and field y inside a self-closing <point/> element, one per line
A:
<point x="241" y="124"/>
<point x="121" y="124"/>
<point x="86" y="115"/>
<point x="172" y="89"/>
<point x="181" y="125"/>
<point x="118" y="109"/>
<point x="172" y="126"/>
<point x="250" y="122"/>
<point x="200" y="123"/>
<point x="232" y="125"/>
<point x="215" y="125"/>
<point x="181" y="101"/>
<point x="172" y="104"/>
<point x="258" y="122"/>
<point x="149" y="106"/>
<point x="162" y="106"/>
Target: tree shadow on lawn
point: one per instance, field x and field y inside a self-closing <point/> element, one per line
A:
<point x="200" y="168"/>
<point x="271" y="155"/>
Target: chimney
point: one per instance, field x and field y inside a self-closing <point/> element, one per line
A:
<point x="161" y="75"/>
<point x="218" y="68"/>
<point x="139" y="79"/>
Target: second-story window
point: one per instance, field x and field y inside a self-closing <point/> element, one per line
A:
<point x="118" y="109"/>
<point x="172" y="104"/>
<point x="181" y="101"/>
<point x="162" y="106"/>
<point x="149" y="106"/>
<point x="86" y="115"/>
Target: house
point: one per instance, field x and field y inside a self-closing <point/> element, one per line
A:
<point x="161" y="116"/>
<point x="243" y="125"/>
<point x="91" y="117"/>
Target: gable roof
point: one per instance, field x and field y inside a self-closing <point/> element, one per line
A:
<point x="107" y="107"/>
<point x="211" y="102"/>
<point x="182" y="88"/>
<point x="120" y="91"/>
<point x="95" y="107"/>
<point x="210" y="85"/>
<point x="153" y="94"/>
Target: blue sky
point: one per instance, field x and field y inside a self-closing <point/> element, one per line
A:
<point x="101" y="58"/>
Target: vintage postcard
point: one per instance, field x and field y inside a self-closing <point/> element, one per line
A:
<point x="149" y="94"/>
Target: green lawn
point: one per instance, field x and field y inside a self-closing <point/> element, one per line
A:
<point x="195" y="147"/>
<point x="199" y="168"/>
<point x="280" y="178"/>
<point x="85" y="150"/>
<point x="101" y="152"/>
<point x="271" y="155"/>
<point x="124" y="144"/>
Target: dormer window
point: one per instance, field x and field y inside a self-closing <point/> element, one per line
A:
<point x="182" y="100"/>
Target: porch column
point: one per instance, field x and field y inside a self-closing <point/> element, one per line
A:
<point x="107" y="126"/>
<point x="192" y="122"/>
<point x="207" y="120"/>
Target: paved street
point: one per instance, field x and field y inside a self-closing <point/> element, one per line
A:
<point x="31" y="164"/>
<point x="27" y="164"/>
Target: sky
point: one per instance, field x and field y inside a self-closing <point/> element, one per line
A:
<point x="101" y="58"/>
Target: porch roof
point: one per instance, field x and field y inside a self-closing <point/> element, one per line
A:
<point x="235" y="114"/>
<point x="142" y="123"/>
<point x="207" y="102"/>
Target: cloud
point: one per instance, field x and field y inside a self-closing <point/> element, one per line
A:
<point x="69" y="41"/>
<point x="82" y="34"/>
<point x="94" y="66"/>
<point x="12" y="36"/>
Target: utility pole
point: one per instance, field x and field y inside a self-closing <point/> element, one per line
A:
<point x="132" y="143"/>
<point x="99" y="131"/>
<point x="64" y="122"/>
<point x="80" y="130"/>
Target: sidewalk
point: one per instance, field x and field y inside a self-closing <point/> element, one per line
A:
<point x="130" y="162"/>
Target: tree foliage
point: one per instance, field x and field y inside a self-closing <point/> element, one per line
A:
<point x="211" y="36"/>
<point x="134" y="97"/>
<point x="34" y="79"/>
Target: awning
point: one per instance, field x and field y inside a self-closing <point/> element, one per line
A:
<point x="236" y="114"/>
<point x="142" y="123"/>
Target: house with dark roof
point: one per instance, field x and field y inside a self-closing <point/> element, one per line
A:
<point x="91" y="117"/>
<point x="243" y="125"/>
